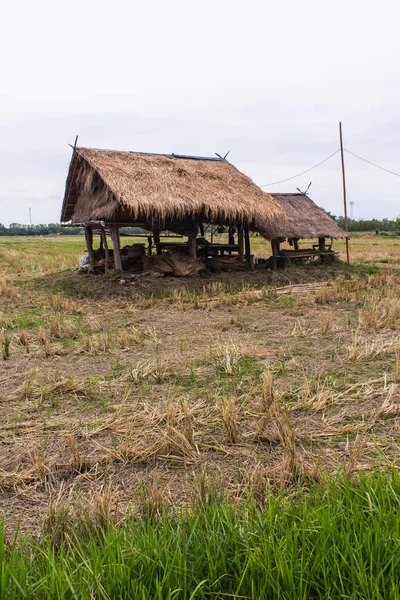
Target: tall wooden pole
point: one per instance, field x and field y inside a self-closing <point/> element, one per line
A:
<point x="346" y="223"/>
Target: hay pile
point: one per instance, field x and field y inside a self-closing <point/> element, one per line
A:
<point x="171" y="263"/>
<point x="225" y="263"/>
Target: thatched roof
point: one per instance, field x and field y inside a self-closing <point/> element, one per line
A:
<point x="304" y="219"/>
<point x="112" y="186"/>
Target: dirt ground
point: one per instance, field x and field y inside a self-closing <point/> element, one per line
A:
<point x="166" y="389"/>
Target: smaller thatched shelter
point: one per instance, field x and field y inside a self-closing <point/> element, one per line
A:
<point x="303" y="220"/>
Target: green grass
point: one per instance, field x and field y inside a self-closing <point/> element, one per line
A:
<point x="339" y="539"/>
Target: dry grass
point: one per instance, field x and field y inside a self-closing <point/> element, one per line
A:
<point x="228" y="357"/>
<point x="8" y="290"/>
<point x="366" y="347"/>
<point x="95" y="343"/>
<point x="230" y="419"/>
<point x="60" y="327"/>
<point x="129" y="337"/>
<point x="64" y="305"/>
<point x="117" y="400"/>
<point x="5" y="342"/>
<point x="267" y="403"/>
<point x="326" y="323"/>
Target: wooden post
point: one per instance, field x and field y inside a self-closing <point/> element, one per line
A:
<point x="231" y="238"/>
<point x="240" y="242"/>
<point x="247" y="244"/>
<point x="192" y="245"/>
<point x="157" y="243"/>
<point x="89" y="244"/>
<point x="150" y="246"/>
<point x="117" y="248"/>
<point x="321" y="244"/>
<point x="106" y="250"/>
<point x="346" y="224"/>
<point x="275" y="245"/>
<point x="296" y="244"/>
<point x="231" y="235"/>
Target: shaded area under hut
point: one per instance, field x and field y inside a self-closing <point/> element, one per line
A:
<point x="303" y="220"/>
<point x="108" y="190"/>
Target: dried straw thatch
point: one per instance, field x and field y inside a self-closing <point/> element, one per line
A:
<point x="126" y="186"/>
<point x="304" y="219"/>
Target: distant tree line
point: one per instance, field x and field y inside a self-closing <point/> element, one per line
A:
<point x="368" y="224"/>
<point x="49" y="229"/>
<point x="371" y="224"/>
<point x="56" y="229"/>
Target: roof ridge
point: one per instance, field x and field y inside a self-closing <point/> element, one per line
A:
<point x="172" y="155"/>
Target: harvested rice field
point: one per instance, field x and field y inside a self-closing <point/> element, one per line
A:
<point x="149" y="402"/>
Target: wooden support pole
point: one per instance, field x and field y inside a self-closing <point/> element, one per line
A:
<point x="247" y="244"/>
<point x="346" y="224"/>
<point x="117" y="248"/>
<point x="192" y="245"/>
<point x="321" y="244"/>
<point x="157" y="243"/>
<point x="89" y="245"/>
<point x="275" y="245"/>
<point x="295" y="244"/>
<point x="106" y="250"/>
<point x="231" y="237"/>
<point x="240" y="242"/>
<point x="150" y="246"/>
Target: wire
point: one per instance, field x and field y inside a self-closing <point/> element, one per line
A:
<point x="373" y="164"/>
<point x="303" y="173"/>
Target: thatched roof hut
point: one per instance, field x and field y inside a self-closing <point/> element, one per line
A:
<point x="133" y="187"/>
<point x="108" y="189"/>
<point x="303" y="219"/>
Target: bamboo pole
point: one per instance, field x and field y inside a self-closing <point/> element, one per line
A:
<point x="346" y="224"/>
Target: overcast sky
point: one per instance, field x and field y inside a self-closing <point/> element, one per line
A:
<point x="268" y="81"/>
